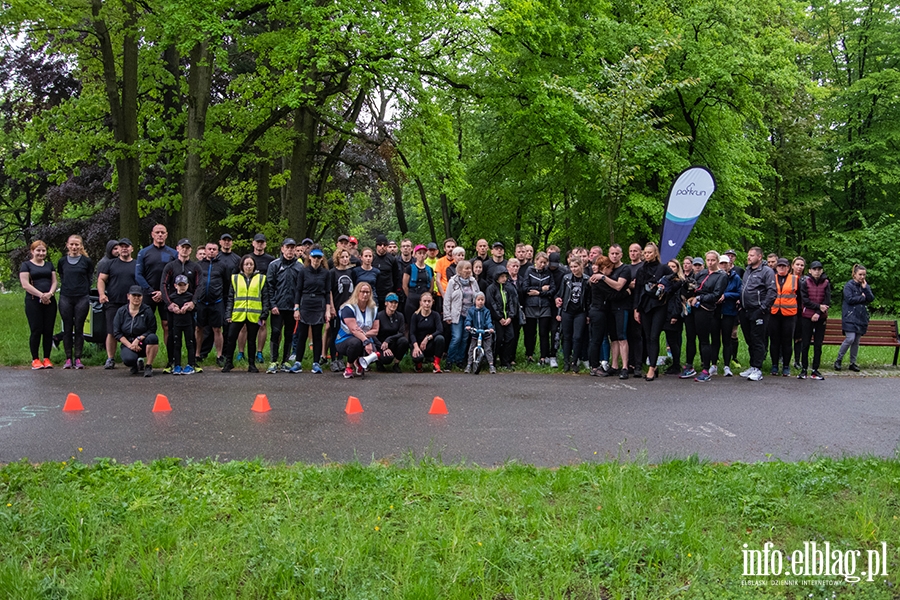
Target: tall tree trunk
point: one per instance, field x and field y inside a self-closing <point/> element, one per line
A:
<point x="123" y="111"/>
<point x="422" y="196"/>
<point x="301" y="165"/>
<point x="263" y="172"/>
<point x="193" y="208"/>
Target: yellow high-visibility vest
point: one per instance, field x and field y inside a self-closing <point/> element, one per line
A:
<point x="247" y="297"/>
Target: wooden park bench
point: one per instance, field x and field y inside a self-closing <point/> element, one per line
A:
<point x="880" y="333"/>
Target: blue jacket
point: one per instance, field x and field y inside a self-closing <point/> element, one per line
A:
<point x="732" y="295"/>
<point x="479" y="318"/>
<point x="854" y="314"/>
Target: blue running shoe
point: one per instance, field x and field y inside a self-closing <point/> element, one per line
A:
<point x="177" y="370"/>
<point x="316" y="368"/>
<point x="188" y="370"/>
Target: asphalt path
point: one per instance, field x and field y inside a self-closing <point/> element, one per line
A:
<point x="543" y="419"/>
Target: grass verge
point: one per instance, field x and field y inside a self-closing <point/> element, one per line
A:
<point x="170" y="529"/>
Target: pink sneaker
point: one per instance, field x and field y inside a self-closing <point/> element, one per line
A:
<point x="78" y="364"/>
<point x="68" y="364"/>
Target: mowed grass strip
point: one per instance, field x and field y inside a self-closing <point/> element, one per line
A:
<point x="171" y="529"/>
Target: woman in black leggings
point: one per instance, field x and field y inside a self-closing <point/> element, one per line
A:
<point x="38" y="279"/>
<point x="76" y="270"/>
<point x="706" y="304"/>
<point x="651" y="289"/>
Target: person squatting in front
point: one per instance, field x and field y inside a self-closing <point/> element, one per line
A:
<point x="392" y="330"/>
<point x="135" y="328"/>
<point x="426" y="337"/>
<point x="359" y="329"/>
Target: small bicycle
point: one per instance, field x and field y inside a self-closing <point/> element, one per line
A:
<point x="478" y="351"/>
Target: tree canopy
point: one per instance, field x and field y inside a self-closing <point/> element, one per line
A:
<point x="538" y="121"/>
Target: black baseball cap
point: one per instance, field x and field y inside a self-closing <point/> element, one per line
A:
<point x="815" y="265"/>
<point x="498" y="244"/>
<point x="783" y="262"/>
<point x="289" y="242"/>
<point x="381" y="240"/>
<point x="306" y="242"/>
<point x="431" y="246"/>
<point x="226" y="236"/>
<point x="259" y="238"/>
<point x="125" y="242"/>
<point x="135" y="290"/>
<point x="181" y="279"/>
<point x="185" y="242"/>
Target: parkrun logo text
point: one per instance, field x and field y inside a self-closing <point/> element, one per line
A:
<point x="690" y="191"/>
<point x="815" y="560"/>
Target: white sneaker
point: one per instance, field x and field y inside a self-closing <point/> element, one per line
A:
<point x="727" y="371"/>
<point x="746" y="372"/>
<point x="713" y="370"/>
<point x="756" y="375"/>
<point x="553" y="363"/>
<point x="604" y="364"/>
<point x="586" y="365"/>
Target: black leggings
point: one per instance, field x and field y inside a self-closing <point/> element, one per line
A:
<point x="690" y="337"/>
<point x="534" y="325"/>
<point x="708" y="332"/>
<point x="673" y="339"/>
<point x="41" y="321"/>
<point x="398" y="346"/>
<point x="300" y="340"/>
<point x="434" y="349"/>
<point x="652" y="322"/>
<point x="781" y="337"/>
<point x="812" y="333"/>
<point x="74" y="311"/>
<point x="573" y="328"/>
<point x="231" y="338"/>
<point x="599" y="331"/>
<point x="282" y="327"/>
<point x="729" y="344"/>
<point x="130" y="357"/>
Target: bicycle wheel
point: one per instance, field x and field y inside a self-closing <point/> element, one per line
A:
<point x="478" y="358"/>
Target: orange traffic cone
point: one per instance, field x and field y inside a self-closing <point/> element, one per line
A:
<point x="261" y="404"/>
<point x="353" y="406"/>
<point x="438" y="407"/>
<point x="161" y="404"/>
<point x="73" y="403"/>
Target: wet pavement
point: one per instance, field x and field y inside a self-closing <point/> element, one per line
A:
<point x="550" y="419"/>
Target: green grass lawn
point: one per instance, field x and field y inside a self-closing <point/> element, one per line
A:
<point x="422" y="530"/>
<point x="14" y="345"/>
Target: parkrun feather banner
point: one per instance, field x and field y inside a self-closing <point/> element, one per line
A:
<point x="687" y="199"/>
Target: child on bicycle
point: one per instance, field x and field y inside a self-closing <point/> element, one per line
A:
<point x="479" y="318"/>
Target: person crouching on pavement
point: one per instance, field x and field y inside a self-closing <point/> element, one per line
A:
<point x="391" y="329"/>
<point x="135" y="328"/>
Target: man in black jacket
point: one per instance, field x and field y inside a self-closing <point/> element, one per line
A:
<point x="757" y="296"/>
<point x="389" y="278"/>
<point x="215" y="280"/>
<point x="183" y="265"/>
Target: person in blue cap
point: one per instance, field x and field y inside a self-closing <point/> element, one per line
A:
<point x="391" y="334"/>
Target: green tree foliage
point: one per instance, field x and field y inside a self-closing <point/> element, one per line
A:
<point x="539" y="121"/>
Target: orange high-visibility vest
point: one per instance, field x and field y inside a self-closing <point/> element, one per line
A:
<point x="786" y="300"/>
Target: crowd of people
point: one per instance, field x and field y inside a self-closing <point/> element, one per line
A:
<point x="365" y="307"/>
